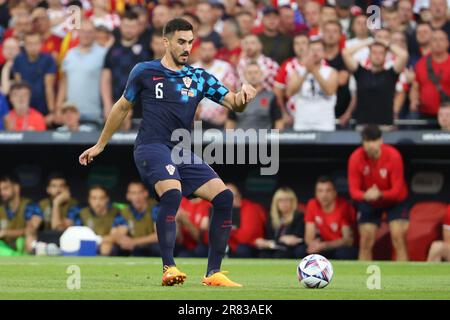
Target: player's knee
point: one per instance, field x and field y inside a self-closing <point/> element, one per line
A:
<point x="223" y="200"/>
<point x="171" y="198"/>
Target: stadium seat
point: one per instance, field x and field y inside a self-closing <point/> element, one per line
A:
<point x="425" y="227"/>
<point x="382" y="249"/>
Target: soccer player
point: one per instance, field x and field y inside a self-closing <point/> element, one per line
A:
<point x="170" y="91"/>
<point x="377" y="184"/>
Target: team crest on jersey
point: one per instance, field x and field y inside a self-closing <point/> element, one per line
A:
<point x="383" y="173"/>
<point x="187" y="82"/>
<point x="170" y="169"/>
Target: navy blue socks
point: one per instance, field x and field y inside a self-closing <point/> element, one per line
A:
<point x="219" y="230"/>
<point x="166" y="226"/>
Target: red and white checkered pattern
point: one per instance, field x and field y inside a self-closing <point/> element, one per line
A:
<point x="268" y="66"/>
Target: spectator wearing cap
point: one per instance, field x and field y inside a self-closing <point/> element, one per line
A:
<point x="262" y="112"/>
<point x="51" y="43"/>
<point x="22" y="117"/>
<point x="431" y="87"/>
<point x="210" y="113"/>
<point x="207" y="22"/>
<point x="104" y="36"/>
<point x="252" y="52"/>
<point x="71" y="120"/>
<point x="39" y="71"/>
<point x="231" y="38"/>
<point x="120" y="60"/>
<point x="376" y="85"/>
<point x="81" y="73"/>
<point x="276" y="45"/>
<point x="345" y="103"/>
<point x="313" y="91"/>
<point x="444" y="117"/>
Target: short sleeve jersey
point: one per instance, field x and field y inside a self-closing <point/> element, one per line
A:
<point x="169" y="98"/>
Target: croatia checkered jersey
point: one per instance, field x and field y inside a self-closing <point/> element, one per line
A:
<point x="286" y="70"/>
<point x="169" y="98"/>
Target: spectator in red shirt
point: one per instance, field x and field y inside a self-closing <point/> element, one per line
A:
<point x="248" y="225"/>
<point x="22" y="117"/>
<point x="440" y="250"/>
<point x="376" y="182"/>
<point x="193" y="222"/>
<point x="425" y="95"/>
<point x="328" y="223"/>
<point x="285" y="229"/>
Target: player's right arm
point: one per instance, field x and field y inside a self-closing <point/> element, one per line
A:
<point x="117" y="116"/>
<point x="115" y="119"/>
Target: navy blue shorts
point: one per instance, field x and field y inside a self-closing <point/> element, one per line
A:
<point x="369" y="214"/>
<point x="154" y="163"/>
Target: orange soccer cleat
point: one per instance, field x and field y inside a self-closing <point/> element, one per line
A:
<point x="172" y="276"/>
<point x="219" y="279"/>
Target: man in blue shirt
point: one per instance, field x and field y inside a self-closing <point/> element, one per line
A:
<point x="39" y="71"/>
<point x="170" y="91"/>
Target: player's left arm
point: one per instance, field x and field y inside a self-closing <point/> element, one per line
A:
<point x="237" y="102"/>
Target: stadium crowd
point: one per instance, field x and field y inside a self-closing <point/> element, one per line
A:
<point x="318" y="65"/>
<point x="328" y="224"/>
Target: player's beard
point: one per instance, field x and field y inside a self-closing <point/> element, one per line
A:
<point x="177" y="61"/>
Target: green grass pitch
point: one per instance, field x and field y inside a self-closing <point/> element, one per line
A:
<point x="139" y="278"/>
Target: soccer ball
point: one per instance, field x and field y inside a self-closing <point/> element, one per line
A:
<point x="315" y="271"/>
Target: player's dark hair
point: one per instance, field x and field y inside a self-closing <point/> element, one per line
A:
<point x="56" y="175"/>
<point x="177" y="24"/>
<point x="98" y="187"/>
<point x="14" y="179"/>
<point x="325" y="179"/>
<point x="19" y="86"/>
<point x="371" y="132"/>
